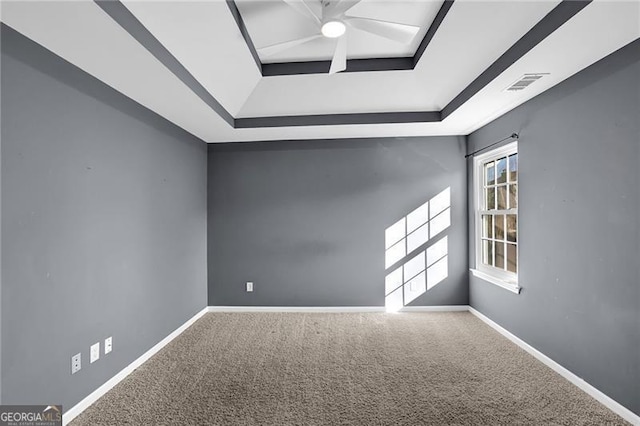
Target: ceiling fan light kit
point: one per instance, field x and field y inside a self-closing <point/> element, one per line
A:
<point x="333" y="29"/>
<point x="333" y="24"/>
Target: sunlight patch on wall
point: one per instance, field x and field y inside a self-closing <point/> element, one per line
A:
<point x="421" y="270"/>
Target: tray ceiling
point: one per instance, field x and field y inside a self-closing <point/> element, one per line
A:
<point x="190" y="62"/>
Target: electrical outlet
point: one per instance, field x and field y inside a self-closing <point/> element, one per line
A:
<point x="108" y="345"/>
<point x="249" y="286"/>
<point x="76" y="363"/>
<point x="95" y="353"/>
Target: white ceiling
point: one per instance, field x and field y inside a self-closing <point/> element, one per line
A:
<point x="204" y="37"/>
<point x="453" y="59"/>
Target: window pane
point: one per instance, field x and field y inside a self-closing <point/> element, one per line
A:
<point x="502" y="197"/>
<point x="487" y="226"/>
<point x="512" y="228"/>
<point x="513" y="196"/>
<point x="513" y="168"/>
<point x="498" y="226"/>
<point x="499" y="255"/>
<point x="512" y="258"/>
<point x="489" y="173"/>
<point x="501" y="170"/>
<point x="491" y="198"/>
<point x="487" y="252"/>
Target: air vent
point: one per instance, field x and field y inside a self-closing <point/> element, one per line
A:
<point x="524" y="82"/>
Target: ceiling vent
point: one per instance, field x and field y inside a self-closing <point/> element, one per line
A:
<point x="524" y="82"/>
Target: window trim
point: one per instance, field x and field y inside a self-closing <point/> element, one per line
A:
<point x="505" y="279"/>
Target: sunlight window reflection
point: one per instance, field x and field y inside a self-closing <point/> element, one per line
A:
<point x="393" y="281"/>
<point x="394" y="233"/>
<point x="418" y="217"/>
<point x="425" y="269"/>
<point x="417" y="238"/>
<point x="439" y="203"/>
<point x="437" y="272"/>
<point x="415" y="287"/>
<point x="395" y="253"/>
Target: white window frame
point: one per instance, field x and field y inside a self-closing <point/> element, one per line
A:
<point x="505" y="279"/>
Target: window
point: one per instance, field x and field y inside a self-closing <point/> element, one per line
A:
<point x="496" y="216"/>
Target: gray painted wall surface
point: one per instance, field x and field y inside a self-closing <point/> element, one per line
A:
<point x="103" y="226"/>
<point x="579" y="208"/>
<point x="305" y="220"/>
<point x="0" y="232"/>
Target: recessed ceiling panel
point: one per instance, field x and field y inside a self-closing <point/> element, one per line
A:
<point x="273" y="21"/>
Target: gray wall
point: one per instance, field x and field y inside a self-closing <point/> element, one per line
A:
<point x="1" y="401"/>
<point x="103" y="226"/>
<point x="305" y="220"/>
<point x="579" y="157"/>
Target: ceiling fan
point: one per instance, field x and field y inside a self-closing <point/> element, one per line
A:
<point x="333" y="24"/>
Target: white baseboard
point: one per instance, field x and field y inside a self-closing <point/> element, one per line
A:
<point x="453" y="308"/>
<point x="296" y="309"/>
<point x="442" y="308"/>
<point x="605" y="400"/>
<point x="74" y="411"/>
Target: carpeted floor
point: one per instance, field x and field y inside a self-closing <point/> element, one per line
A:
<point x="347" y="369"/>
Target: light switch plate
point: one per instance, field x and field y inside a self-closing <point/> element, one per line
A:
<point x="95" y="353"/>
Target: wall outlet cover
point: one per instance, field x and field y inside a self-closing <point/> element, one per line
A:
<point x="249" y="286"/>
<point x="76" y="363"/>
<point x="108" y="345"/>
<point x="95" y="353"/>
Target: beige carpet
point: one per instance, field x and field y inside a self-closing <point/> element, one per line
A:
<point x="344" y="369"/>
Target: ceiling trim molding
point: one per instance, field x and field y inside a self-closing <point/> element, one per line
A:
<point x="339" y="119"/>
<point x="322" y="67"/>
<point x="442" y="13"/>
<point x="557" y="17"/>
<point x="353" y="65"/>
<point x="245" y="33"/>
<point x="123" y="16"/>
<point x="547" y="25"/>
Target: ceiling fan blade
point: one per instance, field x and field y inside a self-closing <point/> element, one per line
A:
<point x="303" y="8"/>
<point x="335" y="8"/>
<point x="339" y="61"/>
<point x="281" y="47"/>
<point x="403" y="33"/>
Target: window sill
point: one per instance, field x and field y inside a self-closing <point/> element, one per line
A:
<point x="511" y="286"/>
